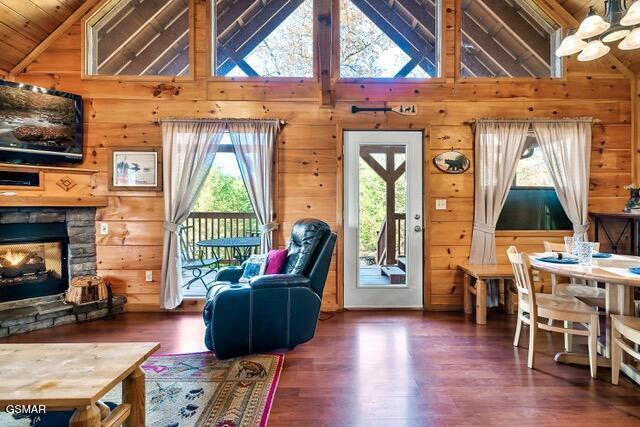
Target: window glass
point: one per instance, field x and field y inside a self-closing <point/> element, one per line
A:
<point x="139" y="38"/>
<point x="388" y="39"/>
<point x="271" y="39"/>
<point x="532" y="202"/>
<point x="507" y="39"/>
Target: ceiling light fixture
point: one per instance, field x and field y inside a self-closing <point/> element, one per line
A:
<point x="622" y="24"/>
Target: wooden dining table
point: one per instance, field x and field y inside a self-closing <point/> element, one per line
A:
<point x="619" y="285"/>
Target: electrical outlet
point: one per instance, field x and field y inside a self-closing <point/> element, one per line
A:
<point x="104" y="228"/>
<point x="441" y="204"/>
<point x="148" y="276"/>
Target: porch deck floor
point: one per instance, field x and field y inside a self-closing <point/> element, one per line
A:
<point x="372" y="276"/>
<point x="369" y="276"/>
<point x="197" y="288"/>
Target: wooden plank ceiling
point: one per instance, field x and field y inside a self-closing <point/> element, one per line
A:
<point x="580" y="8"/>
<point x="26" y="23"/>
<point x="499" y="38"/>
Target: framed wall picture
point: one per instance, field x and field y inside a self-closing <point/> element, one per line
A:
<point x="132" y="168"/>
<point x="452" y="162"/>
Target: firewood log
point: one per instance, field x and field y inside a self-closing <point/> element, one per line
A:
<point x="86" y="289"/>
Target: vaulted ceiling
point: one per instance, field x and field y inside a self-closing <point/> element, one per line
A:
<point x="580" y="8"/>
<point x="26" y="23"/>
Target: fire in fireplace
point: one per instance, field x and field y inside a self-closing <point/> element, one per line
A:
<point x="33" y="260"/>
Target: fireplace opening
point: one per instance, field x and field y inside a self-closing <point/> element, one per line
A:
<point x="33" y="260"/>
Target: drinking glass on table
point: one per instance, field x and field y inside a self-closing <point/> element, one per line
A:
<point x="584" y="251"/>
<point x="570" y="244"/>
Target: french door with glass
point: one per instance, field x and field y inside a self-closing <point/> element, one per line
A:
<point x="383" y="219"/>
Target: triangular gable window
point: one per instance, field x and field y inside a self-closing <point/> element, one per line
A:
<point x="272" y="39"/>
<point x="139" y="38"/>
<point x="386" y="39"/>
<point x="507" y="39"/>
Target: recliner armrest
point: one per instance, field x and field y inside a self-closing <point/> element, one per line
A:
<point x="279" y="281"/>
<point x="229" y="274"/>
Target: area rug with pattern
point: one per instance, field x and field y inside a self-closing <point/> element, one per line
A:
<point x="193" y="389"/>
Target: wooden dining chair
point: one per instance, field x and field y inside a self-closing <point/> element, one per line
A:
<point x="532" y="305"/>
<point x="623" y="327"/>
<point x="588" y="293"/>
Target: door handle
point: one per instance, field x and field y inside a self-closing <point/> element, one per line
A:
<point x="418" y="228"/>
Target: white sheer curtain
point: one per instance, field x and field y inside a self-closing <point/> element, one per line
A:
<point x="188" y="148"/>
<point x="566" y="148"/>
<point x="498" y="148"/>
<point x="254" y="143"/>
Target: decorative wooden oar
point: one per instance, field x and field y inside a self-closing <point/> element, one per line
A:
<point x="405" y="110"/>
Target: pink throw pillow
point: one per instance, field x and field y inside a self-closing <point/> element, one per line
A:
<point x="276" y="260"/>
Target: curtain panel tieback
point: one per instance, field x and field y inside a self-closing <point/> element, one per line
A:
<point x="171" y="227"/>
<point x="580" y="228"/>
<point x="272" y="226"/>
<point x="486" y="228"/>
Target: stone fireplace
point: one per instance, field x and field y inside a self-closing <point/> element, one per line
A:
<point x="33" y="260"/>
<point x="41" y="249"/>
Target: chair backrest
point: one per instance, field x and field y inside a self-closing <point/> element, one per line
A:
<point x="186" y="252"/>
<point x="523" y="280"/>
<point x="307" y="238"/>
<point x="310" y="251"/>
<point x="561" y="247"/>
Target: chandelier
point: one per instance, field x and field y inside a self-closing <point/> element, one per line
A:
<point x="589" y="39"/>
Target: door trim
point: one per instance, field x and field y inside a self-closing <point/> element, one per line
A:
<point x="340" y="211"/>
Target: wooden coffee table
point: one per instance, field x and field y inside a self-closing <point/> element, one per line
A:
<point x="76" y="376"/>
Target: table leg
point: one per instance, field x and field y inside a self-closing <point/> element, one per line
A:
<point x="466" y="282"/>
<point x="508" y="298"/>
<point x="104" y="409"/>
<point x="481" y="302"/>
<point x="633" y="236"/>
<point x="618" y="301"/>
<point x="89" y="416"/>
<point x="133" y="392"/>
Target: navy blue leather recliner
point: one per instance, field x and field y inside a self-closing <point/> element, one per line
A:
<point x="273" y="311"/>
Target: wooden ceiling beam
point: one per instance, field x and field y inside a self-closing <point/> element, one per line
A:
<point x="519" y="28"/>
<point x="323" y="11"/>
<point x="228" y="12"/>
<point x="493" y="50"/>
<point x="127" y="30"/>
<point x="176" y="64"/>
<point x="161" y="43"/>
<point x="477" y="63"/>
<point x="75" y="16"/>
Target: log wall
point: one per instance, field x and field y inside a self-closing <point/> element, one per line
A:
<point x="122" y="113"/>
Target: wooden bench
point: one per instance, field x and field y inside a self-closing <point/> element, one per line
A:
<point x="482" y="273"/>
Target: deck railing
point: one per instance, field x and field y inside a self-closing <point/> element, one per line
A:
<point x="400" y="237"/>
<point x="216" y="225"/>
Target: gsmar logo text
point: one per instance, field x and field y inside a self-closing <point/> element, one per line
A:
<point x="26" y="409"/>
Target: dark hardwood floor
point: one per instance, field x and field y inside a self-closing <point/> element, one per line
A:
<point x="403" y="369"/>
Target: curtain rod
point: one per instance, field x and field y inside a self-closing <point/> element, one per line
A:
<point x="207" y="119"/>
<point x="535" y="120"/>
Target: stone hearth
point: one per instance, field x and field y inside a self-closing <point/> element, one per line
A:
<point x="28" y="315"/>
<point x="25" y="315"/>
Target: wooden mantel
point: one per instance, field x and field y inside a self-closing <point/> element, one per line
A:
<point x="57" y="187"/>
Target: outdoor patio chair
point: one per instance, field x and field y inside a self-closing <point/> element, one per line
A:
<point x="195" y="263"/>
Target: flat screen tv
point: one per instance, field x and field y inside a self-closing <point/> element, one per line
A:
<point x="39" y="126"/>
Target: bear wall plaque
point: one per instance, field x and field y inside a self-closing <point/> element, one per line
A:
<point x="452" y="162"/>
